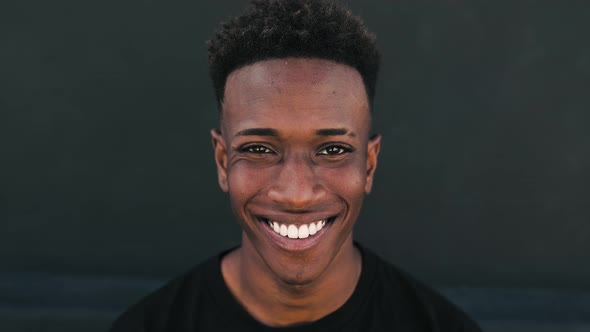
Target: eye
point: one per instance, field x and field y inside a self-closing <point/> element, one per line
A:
<point x="256" y="149"/>
<point x="335" y="150"/>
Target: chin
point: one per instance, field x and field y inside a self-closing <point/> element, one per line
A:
<point x="296" y="262"/>
<point x="301" y="269"/>
<point x="301" y="275"/>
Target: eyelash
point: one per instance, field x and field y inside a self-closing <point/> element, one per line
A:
<point x="250" y="148"/>
<point x="342" y="149"/>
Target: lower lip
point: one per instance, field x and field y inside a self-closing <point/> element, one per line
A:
<point x="289" y="244"/>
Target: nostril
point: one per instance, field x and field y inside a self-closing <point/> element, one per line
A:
<point x="295" y="199"/>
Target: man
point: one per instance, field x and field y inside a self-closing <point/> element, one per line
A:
<point x="295" y="82"/>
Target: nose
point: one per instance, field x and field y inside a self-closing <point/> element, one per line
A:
<point x="296" y="185"/>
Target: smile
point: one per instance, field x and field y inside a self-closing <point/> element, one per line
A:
<point x="301" y="231"/>
<point x="294" y="232"/>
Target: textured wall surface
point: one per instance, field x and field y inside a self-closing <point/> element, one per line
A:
<point x="107" y="180"/>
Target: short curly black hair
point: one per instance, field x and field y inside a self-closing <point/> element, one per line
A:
<point x="273" y="29"/>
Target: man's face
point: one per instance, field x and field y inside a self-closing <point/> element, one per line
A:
<point x="295" y="157"/>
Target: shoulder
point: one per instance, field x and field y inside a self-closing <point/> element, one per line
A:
<point x="415" y="301"/>
<point x="168" y="303"/>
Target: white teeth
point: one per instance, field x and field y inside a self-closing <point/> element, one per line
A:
<point x="319" y="225"/>
<point x="303" y="232"/>
<point x="283" y="230"/>
<point x="312" y="229"/>
<point x="294" y="232"/>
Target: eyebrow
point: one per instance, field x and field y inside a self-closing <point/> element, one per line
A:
<point x="334" y="132"/>
<point x="258" y="132"/>
<point x="275" y="133"/>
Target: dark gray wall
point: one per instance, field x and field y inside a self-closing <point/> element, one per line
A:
<point x="106" y="165"/>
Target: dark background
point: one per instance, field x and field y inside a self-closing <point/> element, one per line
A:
<point x="108" y="186"/>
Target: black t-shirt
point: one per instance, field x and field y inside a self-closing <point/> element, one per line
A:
<point x="385" y="299"/>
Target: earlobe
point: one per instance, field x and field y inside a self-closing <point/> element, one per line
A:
<point x="220" y="151"/>
<point x="373" y="148"/>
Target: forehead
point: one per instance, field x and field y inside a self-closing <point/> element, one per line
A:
<point x="289" y="90"/>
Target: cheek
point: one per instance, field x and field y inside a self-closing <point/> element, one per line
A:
<point x="347" y="182"/>
<point x="244" y="182"/>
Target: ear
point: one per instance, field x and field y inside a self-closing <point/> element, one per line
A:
<point x="220" y="151"/>
<point x="373" y="147"/>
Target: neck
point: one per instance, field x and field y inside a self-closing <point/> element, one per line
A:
<point x="274" y="301"/>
